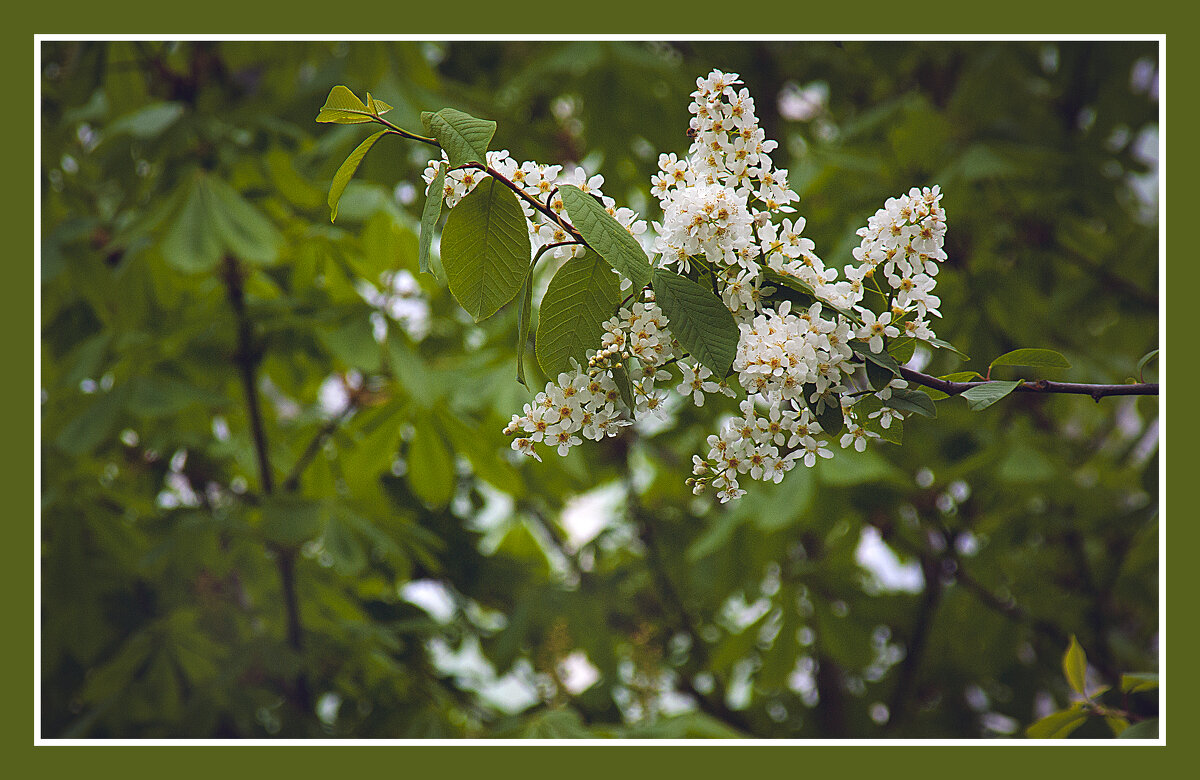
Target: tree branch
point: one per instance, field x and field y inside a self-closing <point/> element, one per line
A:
<point x="247" y="357"/>
<point x="314" y="446"/>
<point x="1040" y="386"/>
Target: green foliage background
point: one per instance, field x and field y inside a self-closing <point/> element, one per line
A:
<point x="164" y="549"/>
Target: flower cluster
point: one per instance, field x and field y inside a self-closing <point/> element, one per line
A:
<point x="540" y="182"/>
<point x="722" y="207"/>
<point x="587" y="400"/>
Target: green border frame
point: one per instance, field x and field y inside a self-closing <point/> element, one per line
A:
<point x="675" y="20"/>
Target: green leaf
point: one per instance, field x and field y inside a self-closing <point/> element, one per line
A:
<point x="387" y="245"/>
<point x="946" y="345"/>
<point x="1147" y="729"/>
<point x="524" y="314"/>
<point x="346" y="172"/>
<point x="902" y="349"/>
<point x="699" y="319"/>
<point x="1139" y="682"/>
<point x="290" y="520"/>
<point x="344" y="108"/>
<point x="906" y="400"/>
<point x="878" y="376"/>
<point x="608" y="237"/>
<point x="354" y="344"/>
<point x="894" y="432"/>
<point x="245" y="232"/>
<point x="485" y="249"/>
<point x="1037" y="358"/>
<point x="377" y="107"/>
<point x="830" y="417"/>
<point x="881" y="359"/>
<point x="485" y="449"/>
<point x="349" y="557"/>
<point x="582" y="295"/>
<point x="1116" y="724"/>
<point x="192" y="244"/>
<point x="1145" y="360"/>
<point x="430" y="215"/>
<point x="430" y="466"/>
<point x="1057" y="725"/>
<point x="1074" y="665"/>
<point x="215" y="220"/>
<point x="147" y="122"/>
<point x="958" y="376"/>
<point x="624" y="386"/>
<point x="464" y="137"/>
<point x="983" y="396"/>
<point x="97" y="423"/>
<point x="791" y="282"/>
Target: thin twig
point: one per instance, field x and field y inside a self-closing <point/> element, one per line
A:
<point x="1040" y="386"/>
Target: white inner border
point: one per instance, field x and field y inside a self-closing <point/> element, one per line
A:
<point x="37" y="384"/>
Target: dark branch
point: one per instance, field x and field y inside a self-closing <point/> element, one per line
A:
<point x="247" y="357"/>
<point x="1040" y="386"/>
<point x="314" y="446"/>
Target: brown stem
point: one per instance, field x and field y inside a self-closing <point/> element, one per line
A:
<point x="1040" y="386"/>
<point x="247" y="358"/>
<point x="314" y="446"/>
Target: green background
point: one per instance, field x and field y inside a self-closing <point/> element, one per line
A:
<point x="822" y="245"/>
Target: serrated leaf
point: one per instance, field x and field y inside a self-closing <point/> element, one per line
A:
<point x="582" y="295"/>
<point x="1139" y="682"/>
<point x="1057" y="725"/>
<point x="1144" y="361"/>
<point x="346" y="172"/>
<point x="430" y="214"/>
<point x="893" y="433"/>
<point x="1037" y="358"/>
<point x="1074" y="665"/>
<point x="524" y="314"/>
<point x="343" y="107"/>
<point x="698" y="319"/>
<point x="606" y="236"/>
<point x="906" y="400"/>
<point x="485" y="249"/>
<point x="464" y="137"/>
<point x="983" y="396"/>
